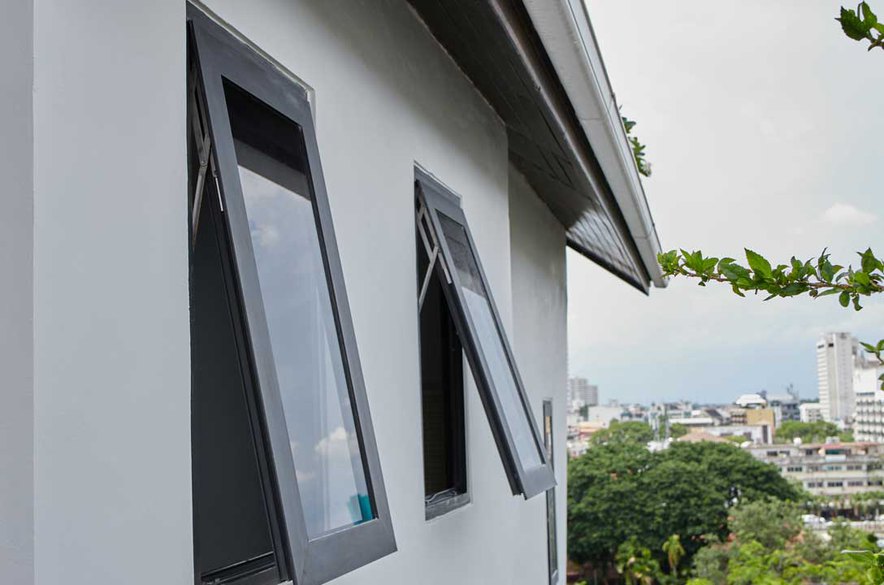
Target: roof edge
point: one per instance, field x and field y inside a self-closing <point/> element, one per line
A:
<point x="566" y="32"/>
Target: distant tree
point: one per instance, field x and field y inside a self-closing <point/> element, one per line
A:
<point x="677" y="430"/>
<point x="768" y="545"/>
<point x="735" y="473"/>
<point x="809" y="432"/>
<point x="620" y="490"/>
<point x="636" y="564"/>
<point x="772" y="523"/>
<point x="623" y="432"/>
<point x="711" y="563"/>
<point x="674" y="551"/>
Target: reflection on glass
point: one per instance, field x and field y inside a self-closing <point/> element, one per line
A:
<point x="491" y="343"/>
<point x="297" y="304"/>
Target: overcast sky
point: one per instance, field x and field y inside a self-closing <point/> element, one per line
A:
<point x="765" y="129"/>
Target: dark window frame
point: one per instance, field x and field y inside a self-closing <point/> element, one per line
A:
<point x="432" y="275"/>
<point x="223" y="58"/>
<point x="437" y="200"/>
<point x="552" y="535"/>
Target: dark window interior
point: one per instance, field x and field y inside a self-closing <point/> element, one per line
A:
<point x="233" y="540"/>
<point x="233" y="535"/>
<point x="442" y="394"/>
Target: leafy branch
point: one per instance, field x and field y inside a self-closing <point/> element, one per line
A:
<point x="862" y="25"/>
<point x="816" y="277"/>
<point x="638" y="149"/>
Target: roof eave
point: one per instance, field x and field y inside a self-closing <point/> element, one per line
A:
<point x="566" y="32"/>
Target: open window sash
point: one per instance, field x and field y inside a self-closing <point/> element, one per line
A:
<point x="446" y="234"/>
<point x="317" y="546"/>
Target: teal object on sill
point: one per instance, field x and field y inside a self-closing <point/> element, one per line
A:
<point x="360" y="508"/>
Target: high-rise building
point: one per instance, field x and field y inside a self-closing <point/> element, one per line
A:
<point x="836" y="356"/>
<point x="582" y="393"/>
<point x="868" y="424"/>
<point x="809" y="412"/>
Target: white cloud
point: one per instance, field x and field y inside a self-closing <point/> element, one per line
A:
<point x="844" y="214"/>
<point x="338" y="443"/>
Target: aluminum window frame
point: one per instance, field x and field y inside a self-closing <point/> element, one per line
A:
<point x="438" y="200"/>
<point x="552" y="534"/>
<point x="439" y="506"/>
<point x="221" y="57"/>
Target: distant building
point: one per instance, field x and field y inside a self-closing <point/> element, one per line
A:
<point x="751" y="401"/>
<point x="604" y="414"/>
<point x="836" y="355"/>
<point x="809" y="412"/>
<point x="700" y="436"/>
<point x="581" y="393"/>
<point x="785" y="406"/>
<point x="836" y="469"/>
<point x="868" y="424"/>
<point x="752" y="410"/>
<point x="758" y="434"/>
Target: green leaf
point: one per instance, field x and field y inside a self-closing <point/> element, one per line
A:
<point x="869" y="262"/>
<point x="758" y="263"/>
<point x="844" y="299"/>
<point x="831" y="291"/>
<point x="852" y="25"/>
<point x="869" y="18"/>
<point x="793" y="289"/>
<point x="827" y="270"/>
<point x="628" y="124"/>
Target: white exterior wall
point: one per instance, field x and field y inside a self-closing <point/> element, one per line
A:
<point x="111" y="354"/>
<point x="16" y="294"/>
<point x="540" y="335"/>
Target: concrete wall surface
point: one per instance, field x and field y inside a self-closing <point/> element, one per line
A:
<point x="540" y="327"/>
<point x="111" y="352"/>
<point x="16" y="293"/>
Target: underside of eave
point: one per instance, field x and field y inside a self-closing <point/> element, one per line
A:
<point x="495" y="44"/>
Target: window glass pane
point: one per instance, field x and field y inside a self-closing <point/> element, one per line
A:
<point x="491" y="343"/>
<point x="300" y="316"/>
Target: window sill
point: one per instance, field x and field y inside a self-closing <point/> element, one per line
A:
<point x="444" y="506"/>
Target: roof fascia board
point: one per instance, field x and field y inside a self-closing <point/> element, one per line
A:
<point x="566" y="32"/>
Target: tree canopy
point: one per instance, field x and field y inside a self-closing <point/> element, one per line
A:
<point x="810" y="432"/>
<point x="620" y="490"/>
<point x="623" y="432"/>
<point x="767" y="544"/>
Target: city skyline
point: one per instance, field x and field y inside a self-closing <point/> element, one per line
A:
<point x="815" y="394"/>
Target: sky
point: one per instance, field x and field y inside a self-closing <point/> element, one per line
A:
<point x="764" y="128"/>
